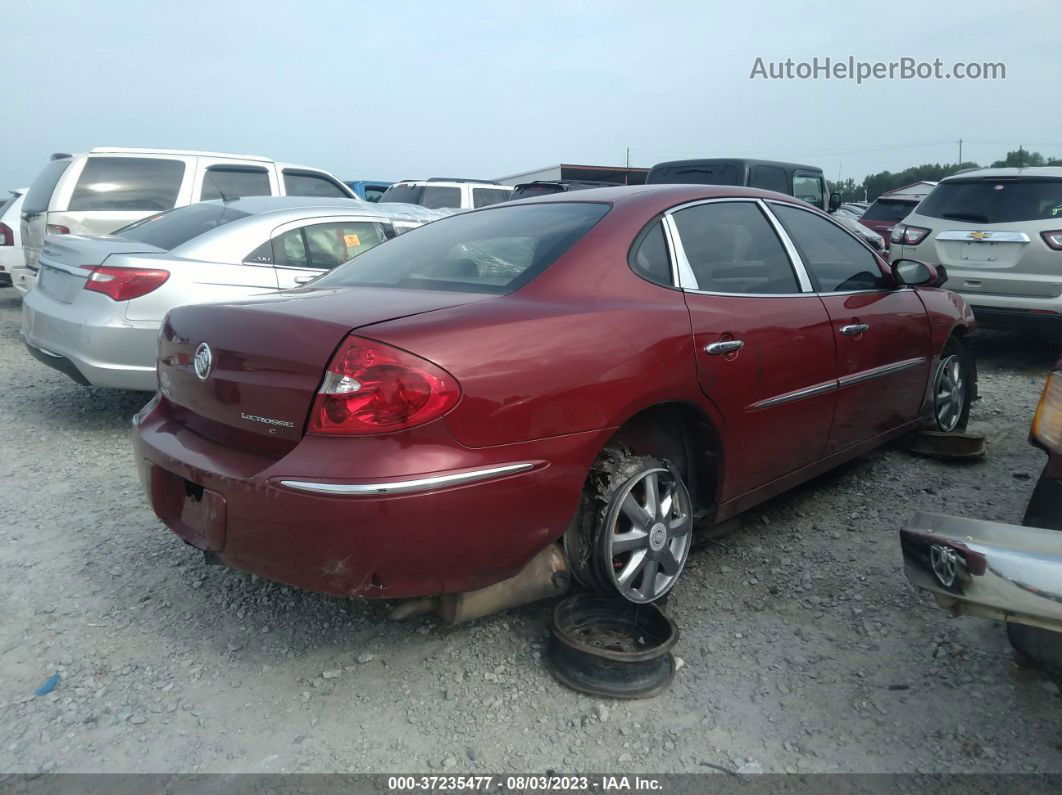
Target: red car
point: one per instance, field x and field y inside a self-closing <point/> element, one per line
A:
<point x="885" y="213"/>
<point x="603" y="367"/>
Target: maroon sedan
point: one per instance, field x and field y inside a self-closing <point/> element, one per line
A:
<point x="604" y="368"/>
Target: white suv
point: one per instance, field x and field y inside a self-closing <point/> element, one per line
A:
<point x="998" y="233"/>
<point x="109" y="187"/>
<point x="439" y="192"/>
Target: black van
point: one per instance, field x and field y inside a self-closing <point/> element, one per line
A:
<point x="804" y="182"/>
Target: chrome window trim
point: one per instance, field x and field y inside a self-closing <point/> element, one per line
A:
<point x="879" y="372"/>
<point x="797" y="394"/>
<point x="682" y="273"/>
<point x="688" y="282"/>
<point x="426" y="483"/>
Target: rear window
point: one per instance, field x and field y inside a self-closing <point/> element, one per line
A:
<point x="40" y="192"/>
<point x="493" y="251"/>
<point x="528" y="191"/>
<point x="172" y="229"/>
<point x="232" y="182"/>
<point x="127" y="183"/>
<point x="300" y="183"/>
<point x="1001" y="201"/>
<point x="374" y="192"/>
<point x="697" y="174"/>
<point x="484" y="197"/>
<point x="403" y="194"/>
<point x="891" y="210"/>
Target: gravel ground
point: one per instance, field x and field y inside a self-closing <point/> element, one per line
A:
<point x="803" y="647"/>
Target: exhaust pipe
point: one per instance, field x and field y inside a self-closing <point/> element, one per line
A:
<point x="544" y="576"/>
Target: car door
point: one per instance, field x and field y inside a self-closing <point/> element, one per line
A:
<point x="762" y="338"/>
<point x="881" y="330"/>
<point x="302" y="250"/>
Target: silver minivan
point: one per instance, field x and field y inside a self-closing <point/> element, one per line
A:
<point x="110" y="187"/>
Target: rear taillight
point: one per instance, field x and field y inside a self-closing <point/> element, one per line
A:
<point x="1053" y="239"/>
<point x="7" y="235"/>
<point x="56" y="229"/>
<point x="370" y="387"/>
<point x="122" y="284"/>
<point x="908" y="235"/>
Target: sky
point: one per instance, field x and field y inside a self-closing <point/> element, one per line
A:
<point x="398" y="89"/>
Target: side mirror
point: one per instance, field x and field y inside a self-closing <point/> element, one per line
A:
<point x="835" y="201"/>
<point x="912" y="273"/>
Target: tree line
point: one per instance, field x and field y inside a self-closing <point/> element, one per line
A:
<point x="876" y="184"/>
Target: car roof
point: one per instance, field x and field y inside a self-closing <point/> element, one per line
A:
<point x="265" y="204"/>
<point x="742" y="161"/>
<point x="657" y="196"/>
<point x="443" y="181"/>
<point x="135" y="150"/>
<point x="995" y="173"/>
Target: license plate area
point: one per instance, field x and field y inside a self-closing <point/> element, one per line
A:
<point x="197" y="514"/>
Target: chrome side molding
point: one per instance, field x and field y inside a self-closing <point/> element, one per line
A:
<point x="426" y="483"/>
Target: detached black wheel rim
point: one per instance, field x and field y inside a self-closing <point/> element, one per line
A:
<point x="646" y="535"/>
<point x="949" y="393"/>
<point x="607" y="646"/>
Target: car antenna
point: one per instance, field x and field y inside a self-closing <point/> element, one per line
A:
<point x="224" y="199"/>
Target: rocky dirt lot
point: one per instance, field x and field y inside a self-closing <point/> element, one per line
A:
<point x="803" y="647"/>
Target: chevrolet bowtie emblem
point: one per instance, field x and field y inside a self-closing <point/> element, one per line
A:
<point x="980" y="235"/>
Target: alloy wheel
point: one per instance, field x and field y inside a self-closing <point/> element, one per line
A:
<point x="647" y="535"/>
<point x="949" y="394"/>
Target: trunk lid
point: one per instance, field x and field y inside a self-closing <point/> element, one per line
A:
<point x="267" y="356"/>
<point x="998" y="260"/>
<point x="61" y="275"/>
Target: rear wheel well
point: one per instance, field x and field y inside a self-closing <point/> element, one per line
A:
<point x="682" y="436"/>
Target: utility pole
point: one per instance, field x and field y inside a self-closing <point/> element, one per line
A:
<point x="960" y="151"/>
<point x="628" y="157"/>
<point x="1021" y="156"/>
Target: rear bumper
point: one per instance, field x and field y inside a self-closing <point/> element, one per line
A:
<point x="1043" y="322"/>
<point x="413" y="516"/>
<point x="102" y="347"/>
<point x="23" y="279"/>
<point x="990" y="569"/>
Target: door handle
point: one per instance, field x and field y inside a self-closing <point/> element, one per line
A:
<point x="729" y="346"/>
<point x="854" y="329"/>
<point x="304" y="279"/>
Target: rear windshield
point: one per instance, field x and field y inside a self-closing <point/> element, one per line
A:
<point x="484" y="197"/>
<point x="40" y="192"/>
<point x="527" y="191"/>
<point x="434" y="197"/>
<point x="1001" y="201"/>
<point x="171" y="229"/>
<point x="697" y="174"/>
<point x="493" y="251"/>
<point x="127" y="183"/>
<point x="888" y="210"/>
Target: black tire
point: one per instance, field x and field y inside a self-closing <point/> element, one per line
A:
<point x="955" y="354"/>
<point x="588" y="545"/>
<point x="1041" y="646"/>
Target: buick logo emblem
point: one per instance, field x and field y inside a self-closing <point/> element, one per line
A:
<point x="203" y="361"/>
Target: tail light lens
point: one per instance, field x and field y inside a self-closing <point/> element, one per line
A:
<point x="1053" y="239"/>
<point x="123" y="284"/>
<point x="370" y="387"/>
<point x="56" y="229"/>
<point x="908" y="235"/>
<point x="7" y="235"/>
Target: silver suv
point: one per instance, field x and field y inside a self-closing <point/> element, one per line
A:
<point x="998" y="233"/>
<point x="109" y="187"/>
<point x="453" y="192"/>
